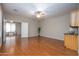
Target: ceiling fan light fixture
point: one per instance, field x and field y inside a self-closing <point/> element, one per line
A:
<point x="11" y="21"/>
<point x="39" y="14"/>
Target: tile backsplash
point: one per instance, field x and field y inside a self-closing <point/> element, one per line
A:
<point x="74" y="30"/>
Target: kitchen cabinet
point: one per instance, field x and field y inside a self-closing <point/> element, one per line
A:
<point x="70" y="41"/>
<point x="74" y="21"/>
<point x="77" y="18"/>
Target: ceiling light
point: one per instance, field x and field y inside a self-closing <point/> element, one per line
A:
<point x="39" y="14"/>
<point x="11" y="21"/>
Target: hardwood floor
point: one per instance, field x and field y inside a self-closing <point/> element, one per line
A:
<point x="35" y="46"/>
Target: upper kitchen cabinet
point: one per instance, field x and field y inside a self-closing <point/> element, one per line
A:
<point x="77" y="18"/>
<point x="74" y="21"/>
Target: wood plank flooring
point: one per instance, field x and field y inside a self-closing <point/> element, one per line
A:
<point x="35" y="46"/>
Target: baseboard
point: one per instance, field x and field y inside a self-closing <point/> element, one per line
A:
<point x="24" y="37"/>
<point x="33" y="36"/>
<point x="51" y="38"/>
<point x="42" y="36"/>
<point x="29" y="37"/>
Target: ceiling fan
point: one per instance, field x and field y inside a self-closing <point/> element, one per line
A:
<point x="39" y="14"/>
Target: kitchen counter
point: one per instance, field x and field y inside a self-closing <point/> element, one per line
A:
<point x="70" y="34"/>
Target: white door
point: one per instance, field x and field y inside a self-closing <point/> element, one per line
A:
<point x="24" y="29"/>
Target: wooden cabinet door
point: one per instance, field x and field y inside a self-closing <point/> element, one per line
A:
<point x="73" y="18"/>
<point x="74" y="21"/>
<point x="77" y="18"/>
<point x="70" y="42"/>
<point x="66" y="41"/>
<point x="73" y="42"/>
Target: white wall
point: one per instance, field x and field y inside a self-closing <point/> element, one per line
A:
<point x="32" y="27"/>
<point x="55" y="27"/>
<point x="0" y="25"/>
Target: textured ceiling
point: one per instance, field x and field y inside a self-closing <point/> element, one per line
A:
<point x="28" y="9"/>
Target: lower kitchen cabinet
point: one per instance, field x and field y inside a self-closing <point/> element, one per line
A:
<point x="71" y="41"/>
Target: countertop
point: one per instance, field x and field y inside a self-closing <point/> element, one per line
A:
<point x="70" y="34"/>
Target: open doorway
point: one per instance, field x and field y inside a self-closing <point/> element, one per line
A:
<point x="10" y="29"/>
<point x="15" y="29"/>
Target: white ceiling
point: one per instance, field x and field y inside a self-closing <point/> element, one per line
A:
<point x="28" y="9"/>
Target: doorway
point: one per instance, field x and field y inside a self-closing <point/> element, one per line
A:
<point x="10" y="29"/>
<point x="15" y="29"/>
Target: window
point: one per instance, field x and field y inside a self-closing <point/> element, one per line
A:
<point x="10" y="27"/>
<point x="7" y="27"/>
